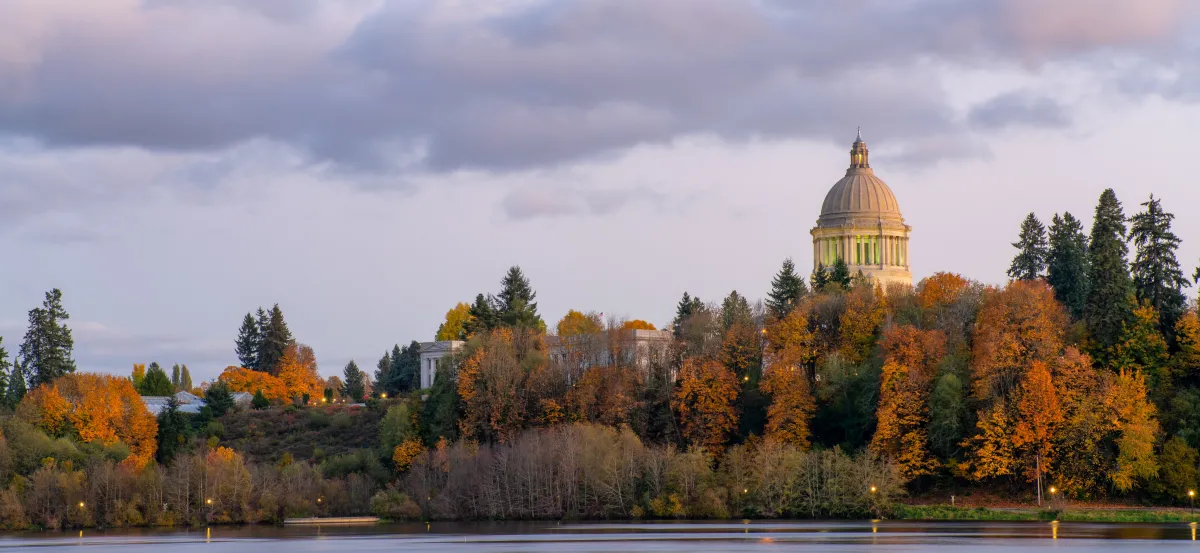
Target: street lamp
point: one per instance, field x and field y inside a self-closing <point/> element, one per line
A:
<point x="81" y="505"/>
<point x="383" y="395"/>
<point x="1192" y="500"/>
<point x="208" y="501"/>
<point x="873" y="489"/>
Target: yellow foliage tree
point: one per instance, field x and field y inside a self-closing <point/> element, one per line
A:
<point x="1133" y="417"/>
<point x="859" y="323"/>
<point x="903" y="415"/>
<point x="790" y="353"/>
<point x="991" y="450"/>
<point x="405" y="453"/>
<point x="576" y="323"/>
<point x="298" y="373"/>
<point x="1039" y="416"/>
<point x="637" y="324"/>
<point x="940" y="289"/>
<point x="100" y="408"/>
<point x="456" y="320"/>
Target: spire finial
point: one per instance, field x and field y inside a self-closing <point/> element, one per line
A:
<point x="860" y="134"/>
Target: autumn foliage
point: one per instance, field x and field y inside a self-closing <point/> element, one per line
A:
<point x="97" y="408"/>
<point x="910" y="364"/>
<point x="241" y="379"/>
<point x="704" y="401"/>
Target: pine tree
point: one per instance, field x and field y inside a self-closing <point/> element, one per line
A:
<point x="156" y="383"/>
<point x="355" y="385"/>
<point x="786" y="290"/>
<point x="485" y="316"/>
<point x="1067" y="263"/>
<point x="46" y="351"/>
<point x="5" y="372"/>
<point x="247" y="342"/>
<point x="1032" y="250"/>
<point x="16" y="384"/>
<point x="406" y="367"/>
<point x="218" y="398"/>
<point x="175" y="376"/>
<point x="517" y="308"/>
<point x="185" y="379"/>
<point x="174" y="433"/>
<point x="274" y="339"/>
<point x="820" y="277"/>
<point x="260" y="401"/>
<point x="1157" y="278"/>
<point x="1108" y="306"/>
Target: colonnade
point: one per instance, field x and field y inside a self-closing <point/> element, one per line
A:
<point x="862" y="249"/>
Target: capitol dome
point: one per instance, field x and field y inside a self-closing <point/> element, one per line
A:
<point x="860" y="223"/>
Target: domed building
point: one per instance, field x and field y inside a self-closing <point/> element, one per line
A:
<point x="861" y="224"/>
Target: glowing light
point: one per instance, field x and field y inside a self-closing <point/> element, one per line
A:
<point x="1053" y="490"/>
<point x="80" y="504"/>
<point x="208" y="501"/>
<point x="873" y="489"/>
<point x="1191" y="493"/>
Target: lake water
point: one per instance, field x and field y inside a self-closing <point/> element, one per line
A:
<point x="690" y="537"/>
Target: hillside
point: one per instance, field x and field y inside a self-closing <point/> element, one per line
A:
<point x="308" y="434"/>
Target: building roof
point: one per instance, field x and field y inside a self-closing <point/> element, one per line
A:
<point x="860" y="194"/>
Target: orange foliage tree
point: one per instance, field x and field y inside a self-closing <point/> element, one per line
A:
<point x="576" y="323"/>
<point x="791" y="351"/>
<point x="241" y="379"/>
<point x="911" y="357"/>
<point x="501" y="383"/>
<point x="605" y="395"/>
<point x="1039" y="415"/>
<point x="1016" y="326"/>
<point x="99" y="408"/>
<point x="298" y="373"/>
<point x="705" y="402"/>
<point x="940" y="289"/>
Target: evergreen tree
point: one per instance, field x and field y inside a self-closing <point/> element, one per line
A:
<point x="247" y="343"/>
<point x="442" y="411"/>
<point x="260" y="401"/>
<point x="1108" y="306"/>
<point x="185" y="379"/>
<point x="156" y="383"/>
<point x="218" y="398"/>
<point x="1157" y="277"/>
<point x="175" y="376"/>
<point x="174" y="433"/>
<point x="5" y="372"/>
<point x="485" y="316"/>
<point x="1067" y="263"/>
<point x="786" y="290"/>
<point x="734" y="310"/>
<point x="517" y="308"/>
<point x="1032" y="250"/>
<point x="383" y="370"/>
<point x="840" y="274"/>
<point x="355" y="383"/>
<point x="274" y="339"/>
<point x="820" y="277"/>
<point x="687" y="307"/>
<point x="404" y="375"/>
<point x="46" y="351"/>
<point x="16" y="384"/>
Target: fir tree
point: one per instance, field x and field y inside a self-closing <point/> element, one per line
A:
<point x="355" y="383"/>
<point x="260" y="401"/>
<point x="687" y="307"/>
<point x="786" y="290"/>
<point x="820" y="277"/>
<point x="185" y="379"/>
<point x="175" y="376"/>
<point x="517" y="308"/>
<point x="485" y="316"/>
<point x="840" y="275"/>
<point x="274" y="339"/>
<point x="1108" y="306"/>
<point x="441" y="412"/>
<point x="1032" y="250"/>
<point x="406" y="368"/>
<point x="46" y="351"/>
<point x="734" y="310"/>
<point x="1067" y="263"/>
<point x="1157" y="278"/>
<point x="383" y="370"/>
<point x="5" y="372"/>
<point x="156" y="383"/>
<point x="16" y="384"/>
<point x="247" y="342"/>
<point x="218" y="398"/>
<point x="174" y="433"/>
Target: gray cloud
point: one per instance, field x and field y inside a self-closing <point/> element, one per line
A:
<point x="100" y="347"/>
<point x="1019" y="108"/>
<point x="531" y="202"/>
<point x="425" y="85"/>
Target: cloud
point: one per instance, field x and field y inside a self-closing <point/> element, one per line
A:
<point x="442" y="86"/>
<point x="541" y="201"/>
<point x="1019" y="108"/>
<point x="100" y="347"/>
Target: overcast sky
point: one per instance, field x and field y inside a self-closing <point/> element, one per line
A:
<point x="173" y="164"/>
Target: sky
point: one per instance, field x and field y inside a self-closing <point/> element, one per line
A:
<point x="366" y="164"/>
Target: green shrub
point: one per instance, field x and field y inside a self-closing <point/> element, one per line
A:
<point x="341" y="421"/>
<point x="392" y="504"/>
<point x="317" y="419"/>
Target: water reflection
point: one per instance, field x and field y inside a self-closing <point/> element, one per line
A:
<point x="691" y="537"/>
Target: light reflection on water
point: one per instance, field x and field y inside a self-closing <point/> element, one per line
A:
<point x="690" y="537"/>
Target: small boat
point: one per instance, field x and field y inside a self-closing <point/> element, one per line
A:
<point x="318" y="521"/>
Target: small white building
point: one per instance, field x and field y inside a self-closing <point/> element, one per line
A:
<point x="188" y="403"/>
<point x="431" y="354"/>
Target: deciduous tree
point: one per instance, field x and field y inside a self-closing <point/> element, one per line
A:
<point x="1135" y="421"/>
<point x="577" y="323"/>
<point x="457" y="320"/>
<point x="1038" y="417"/>
<point x="911" y="358"/>
<point x="705" y="403"/>
<point x="299" y="373"/>
<point x="1016" y="326"/>
<point x="240" y="379"/>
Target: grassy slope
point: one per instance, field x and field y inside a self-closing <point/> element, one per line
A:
<point x="313" y="433"/>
